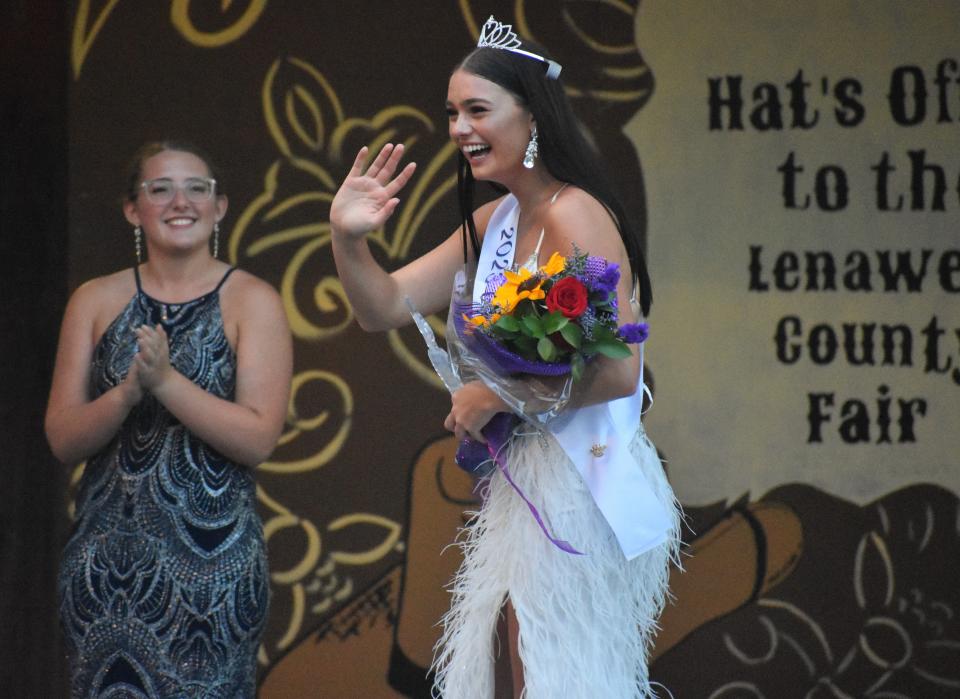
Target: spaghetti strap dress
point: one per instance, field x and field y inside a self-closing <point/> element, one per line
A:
<point x="163" y="582"/>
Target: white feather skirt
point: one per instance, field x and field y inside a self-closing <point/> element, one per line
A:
<point x="586" y="622"/>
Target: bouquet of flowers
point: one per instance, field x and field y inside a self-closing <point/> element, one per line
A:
<point x="534" y="326"/>
<point x="553" y="321"/>
<point x="529" y="339"/>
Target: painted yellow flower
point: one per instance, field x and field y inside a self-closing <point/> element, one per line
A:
<point x="556" y="264"/>
<point x="518" y="286"/>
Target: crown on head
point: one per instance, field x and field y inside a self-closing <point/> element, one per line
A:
<point x="497" y="35"/>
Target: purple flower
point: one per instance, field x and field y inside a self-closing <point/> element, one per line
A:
<point x="608" y="280"/>
<point x="634" y="333"/>
<point x="593" y="267"/>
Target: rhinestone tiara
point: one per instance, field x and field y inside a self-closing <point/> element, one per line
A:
<point x="497" y="35"/>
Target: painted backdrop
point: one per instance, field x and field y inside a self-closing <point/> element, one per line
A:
<point x="795" y="169"/>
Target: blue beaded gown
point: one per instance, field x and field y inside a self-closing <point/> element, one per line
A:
<point x="163" y="583"/>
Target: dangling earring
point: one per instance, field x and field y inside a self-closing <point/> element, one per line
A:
<point x="216" y="239"/>
<point x="532" y="150"/>
<point x="138" y="244"/>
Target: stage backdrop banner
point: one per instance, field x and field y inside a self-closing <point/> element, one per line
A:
<point x="793" y="168"/>
<point x="804" y="200"/>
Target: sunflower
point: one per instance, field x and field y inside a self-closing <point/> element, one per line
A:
<point x="556" y="264"/>
<point x="482" y="321"/>
<point x="518" y="286"/>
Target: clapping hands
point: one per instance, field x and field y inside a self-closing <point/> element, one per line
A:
<point x="366" y="200"/>
<point x="151" y="365"/>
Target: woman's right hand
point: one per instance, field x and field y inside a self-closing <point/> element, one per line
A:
<point x="365" y="200"/>
<point x="130" y="387"/>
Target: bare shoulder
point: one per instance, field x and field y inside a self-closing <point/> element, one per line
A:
<point x="244" y="293"/>
<point x="117" y="284"/>
<point x="575" y="206"/>
<point x="105" y="295"/>
<point x="583" y="220"/>
<point x="97" y="302"/>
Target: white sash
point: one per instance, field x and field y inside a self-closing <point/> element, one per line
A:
<point x="597" y="437"/>
<point x="499" y="244"/>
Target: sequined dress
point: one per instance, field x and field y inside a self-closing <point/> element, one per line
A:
<point x="163" y="583"/>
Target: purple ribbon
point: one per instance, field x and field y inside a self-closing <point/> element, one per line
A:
<point x="498" y="432"/>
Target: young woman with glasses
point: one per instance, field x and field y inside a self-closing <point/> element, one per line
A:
<point x="171" y="383"/>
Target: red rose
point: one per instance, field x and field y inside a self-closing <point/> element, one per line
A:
<point x="569" y="296"/>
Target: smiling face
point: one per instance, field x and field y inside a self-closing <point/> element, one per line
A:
<point x="181" y="225"/>
<point x="490" y="127"/>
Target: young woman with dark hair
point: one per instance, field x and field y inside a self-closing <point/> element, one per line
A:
<point x="563" y="147"/>
<point x="580" y="625"/>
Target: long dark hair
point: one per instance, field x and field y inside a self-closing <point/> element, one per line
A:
<point x="563" y="147"/>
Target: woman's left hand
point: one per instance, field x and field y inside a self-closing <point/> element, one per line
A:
<point x="153" y="356"/>
<point x="471" y="409"/>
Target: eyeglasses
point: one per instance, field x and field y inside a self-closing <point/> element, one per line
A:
<point x="162" y="190"/>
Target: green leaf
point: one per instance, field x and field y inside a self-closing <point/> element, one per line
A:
<point x="546" y="349"/>
<point x="601" y="299"/>
<point x="602" y="333"/>
<point x="506" y="322"/>
<point x="526" y="307"/>
<point x="525" y="346"/>
<point x="576" y="366"/>
<point x="573" y="334"/>
<point x="553" y="321"/>
<point x="614" y="349"/>
<point x="534" y="325"/>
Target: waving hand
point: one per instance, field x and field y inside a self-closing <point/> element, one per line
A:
<point x="366" y="200"/>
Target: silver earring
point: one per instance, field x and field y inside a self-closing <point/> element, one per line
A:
<point x="216" y="239"/>
<point x="138" y="243"/>
<point x="532" y="150"/>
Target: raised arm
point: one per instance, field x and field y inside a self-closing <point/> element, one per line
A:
<point x="77" y="426"/>
<point x="246" y="429"/>
<point x="364" y="202"/>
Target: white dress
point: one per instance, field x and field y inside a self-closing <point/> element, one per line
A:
<point x="586" y="622"/>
